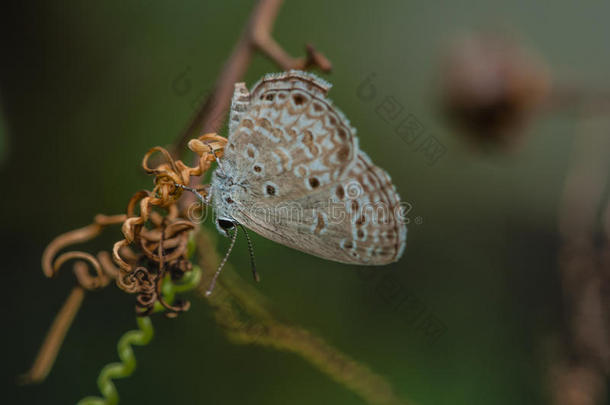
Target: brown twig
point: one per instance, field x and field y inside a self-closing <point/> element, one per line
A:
<point x="55" y="336"/>
<point x="51" y="262"/>
<point x="580" y="373"/>
<point x="256" y="36"/>
<point x="566" y="95"/>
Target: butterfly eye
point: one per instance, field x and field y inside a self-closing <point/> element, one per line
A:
<point x="225" y="225"/>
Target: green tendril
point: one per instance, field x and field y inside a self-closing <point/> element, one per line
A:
<point x="138" y="337"/>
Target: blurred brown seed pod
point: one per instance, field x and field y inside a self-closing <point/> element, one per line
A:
<point x="491" y="87"/>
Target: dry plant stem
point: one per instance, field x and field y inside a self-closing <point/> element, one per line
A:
<point x="48" y="351"/>
<point x="579" y="378"/>
<point x="77" y="236"/>
<point x="256" y="36"/>
<point x="51" y="262"/>
<point x="605" y="280"/>
<point x="243" y="312"/>
<point x="164" y="243"/>
<point x="591" y="102"/>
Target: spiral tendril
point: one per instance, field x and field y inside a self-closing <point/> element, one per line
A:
<point x="137" y="337"/>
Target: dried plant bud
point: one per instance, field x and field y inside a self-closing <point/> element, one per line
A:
<point x="491" y="87"/>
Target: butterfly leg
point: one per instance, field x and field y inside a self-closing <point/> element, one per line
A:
<point x="196" y="191"/>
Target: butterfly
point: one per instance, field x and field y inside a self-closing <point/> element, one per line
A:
<point x="292" y="172"/>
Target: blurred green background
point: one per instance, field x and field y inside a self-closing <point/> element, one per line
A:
<point x="88" y="87"/>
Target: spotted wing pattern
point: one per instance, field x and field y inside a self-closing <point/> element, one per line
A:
<point x="305" y="182"/>
<point x="292" y="135"/>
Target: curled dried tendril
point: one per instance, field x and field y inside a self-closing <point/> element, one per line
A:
<point x="154" y="247"/>
<point x="155" y="235"/>
<point x="104" y="270"/>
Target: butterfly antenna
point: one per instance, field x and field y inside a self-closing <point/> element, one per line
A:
<point x="194" y="191"/>
<point x="222" y="264"/>
<point x="217" y="158"/>
<point x="251" y="250"/>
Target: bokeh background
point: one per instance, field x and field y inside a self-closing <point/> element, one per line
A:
<point x="87" y="87"/>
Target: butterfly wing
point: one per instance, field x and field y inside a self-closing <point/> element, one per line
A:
<point x="305" y="183"/>
<point x="291" y="135"/>
<point x="358" y="220"/>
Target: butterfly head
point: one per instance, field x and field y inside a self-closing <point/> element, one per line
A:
<point x="223" y="190"/>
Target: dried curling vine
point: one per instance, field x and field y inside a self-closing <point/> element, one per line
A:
<point x="154" y="248"/>
<point x="155" y="234"/>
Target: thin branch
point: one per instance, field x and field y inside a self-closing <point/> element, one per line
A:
<point x="52" y="342"/>
<point x="256" y="36"/>
<point x="244" y="314"/>
<point x="580" y="372"/>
